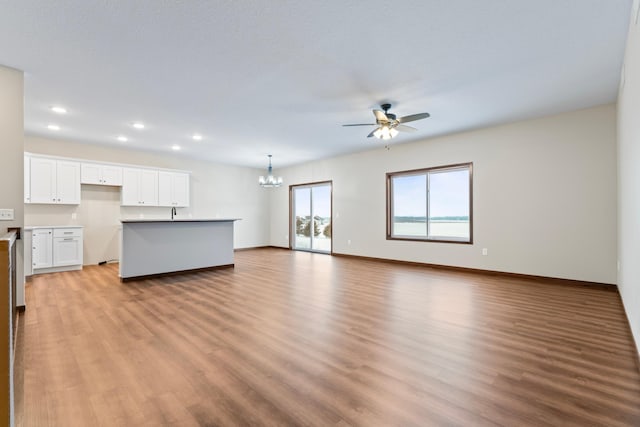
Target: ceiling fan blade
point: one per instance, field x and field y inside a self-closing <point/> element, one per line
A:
<point x="361" y="124"/>
<point x="413" y="117"/>
<point x="380" y="116"/>
<point x="372" y="132"/>
<point x="405" y="128"/>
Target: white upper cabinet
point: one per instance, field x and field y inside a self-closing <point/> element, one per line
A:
<point x="139" y="187"/>
<point x="27" y="179"/>
<point x="173" y="189"/>
<point x="43" y="180"/>
<point x="149" y="187"/>
<point x="54" y="181"/>
<point x="57" y="180"/>
<point x="101" y="174"/>
<point x="181" y="189"/>
<point x="68" y="182"/>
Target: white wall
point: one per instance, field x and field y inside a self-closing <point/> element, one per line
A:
<point x="216" y="191"/>
<point x="544" y="199"/>
<point x="11" y="165"/>
<point x="629" y="179"/>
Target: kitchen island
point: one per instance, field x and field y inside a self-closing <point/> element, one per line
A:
<point x="152" y="247"/>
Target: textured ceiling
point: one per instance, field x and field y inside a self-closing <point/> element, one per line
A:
<point x="280" y="77"/>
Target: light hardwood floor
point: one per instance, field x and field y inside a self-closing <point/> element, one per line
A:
<point x="292" y="338"/>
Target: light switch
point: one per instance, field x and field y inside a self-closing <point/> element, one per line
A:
<point x="6" y="214"/>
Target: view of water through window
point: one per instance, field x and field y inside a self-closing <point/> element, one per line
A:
<point x="431" y="204"/>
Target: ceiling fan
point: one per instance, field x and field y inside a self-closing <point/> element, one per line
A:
<point x="389" y="125"/>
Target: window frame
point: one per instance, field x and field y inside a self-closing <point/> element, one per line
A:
<point x="426" y="171"/>
<point x="292" y="234"/>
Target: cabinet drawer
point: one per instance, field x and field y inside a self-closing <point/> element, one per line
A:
<point x="67" y="232"/>
<point x="67" y="251"/>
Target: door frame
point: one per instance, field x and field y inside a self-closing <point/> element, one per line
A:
<point x="292" y="234"/>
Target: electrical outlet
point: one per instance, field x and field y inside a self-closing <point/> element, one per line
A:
<point x="74" y="216"/>
<point x="484" y="251"/>
<point x="349" y="242"/>
<point x="6" y="214"/>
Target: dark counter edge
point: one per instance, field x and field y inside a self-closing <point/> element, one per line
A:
<point x="143" y="220"/>
<point x="174" y="273"/>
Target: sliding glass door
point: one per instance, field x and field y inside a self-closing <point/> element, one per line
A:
<point x="311" y="217"/>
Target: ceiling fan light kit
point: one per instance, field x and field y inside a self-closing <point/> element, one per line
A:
<point x="270" y="181"/>
<point x="388" y="125"/>
<point x="385" y="132"/>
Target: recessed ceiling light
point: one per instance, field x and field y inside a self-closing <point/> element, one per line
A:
<point x="58" y="109"/>
<point x="197" y="137"/>
<point x="175" y="147"/>
<point x="53" y="127"/>
<point x="122" y="138"/>
<point x="138" y="125"/>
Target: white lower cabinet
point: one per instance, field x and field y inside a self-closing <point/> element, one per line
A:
<point x="67" y="246"/>
<point x="42" y="244"/>
<point x="56" y="249"/>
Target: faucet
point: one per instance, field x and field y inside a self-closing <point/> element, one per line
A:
<point x="173" y="212"/>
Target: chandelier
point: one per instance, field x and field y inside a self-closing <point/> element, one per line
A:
<point x="270" y="180"/>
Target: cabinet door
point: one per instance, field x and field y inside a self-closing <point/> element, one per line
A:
<point x="27" y="179"/>
<point x="148" y="187"/>
<point x="99" y="174"/>
<point x="68" y="182"/>
<point x="43" y="180"/>
<point x="180" y="189"/>
<point x="173" y="189"/>
<point x="130" y="187"/>
<point x="164" y="189"/>
<point x="67" y="251"/>
<point x="90" y="173"/>
<point x="41" y="253"/>
<point x="28" y="252"/>
<point x="111" y="175"/>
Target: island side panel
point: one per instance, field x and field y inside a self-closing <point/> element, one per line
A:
<point x="164" y="247"/>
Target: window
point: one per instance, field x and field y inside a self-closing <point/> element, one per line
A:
<point x="431" y="204"/>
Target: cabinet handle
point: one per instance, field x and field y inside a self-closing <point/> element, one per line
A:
<point x="68" y="232"/>
<point x="68" y="239"/>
